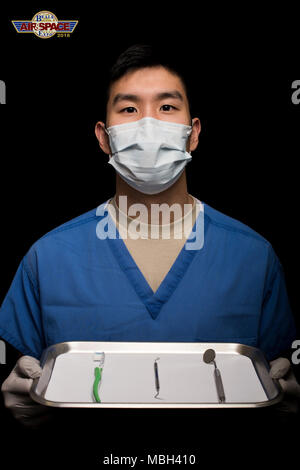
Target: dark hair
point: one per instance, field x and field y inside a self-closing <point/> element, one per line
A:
<point x="140" y="56"/>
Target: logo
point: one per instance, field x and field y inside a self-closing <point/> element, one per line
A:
<point x="113" y="224"/>
<point x="2" y="352"/>
<point x="2" y="92"/>
<point x="296" y="354"/>
<point x="296" y="94"/>
<point x="45" y="24"/>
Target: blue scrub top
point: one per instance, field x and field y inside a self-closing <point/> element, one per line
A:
<point x="72" y="286"/>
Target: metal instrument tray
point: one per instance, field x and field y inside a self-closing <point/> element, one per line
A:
<point x="128" y="378"/>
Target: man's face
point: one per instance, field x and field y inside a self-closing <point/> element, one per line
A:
<point x="149" y="92"/>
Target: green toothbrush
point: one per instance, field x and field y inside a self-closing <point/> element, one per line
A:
<point x="98" y="357"/>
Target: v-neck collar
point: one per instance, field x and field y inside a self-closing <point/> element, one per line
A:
<point x="153" y="301"/>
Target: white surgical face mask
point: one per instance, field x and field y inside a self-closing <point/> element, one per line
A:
<point x="149" y="154"/>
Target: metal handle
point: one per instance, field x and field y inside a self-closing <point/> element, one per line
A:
<point x="219" y="385"/>
<point x="156" y="377"/>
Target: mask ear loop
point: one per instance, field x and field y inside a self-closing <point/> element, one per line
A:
<point x="107" y="132"/>
<point x="189" y="133"/>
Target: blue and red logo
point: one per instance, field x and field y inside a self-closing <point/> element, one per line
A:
<point x="44" y="25"/>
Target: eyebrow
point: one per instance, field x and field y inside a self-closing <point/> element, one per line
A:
<point x="174" y="94"/>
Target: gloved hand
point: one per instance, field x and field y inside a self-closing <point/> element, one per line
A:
<point x="281" y="369"/>
<point x="15" y="391"/>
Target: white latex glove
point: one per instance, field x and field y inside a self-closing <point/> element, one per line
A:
<point x="281" y="370"/>
<point x="15" y="391"/>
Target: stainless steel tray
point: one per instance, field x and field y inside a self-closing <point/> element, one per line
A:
<point x="128" y="379"/>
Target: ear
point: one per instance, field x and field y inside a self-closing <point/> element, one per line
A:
<point x="194" y="137"/>
<point x="102" y="137"/>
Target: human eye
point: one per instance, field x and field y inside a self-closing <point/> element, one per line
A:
<point x="167" y="107"/>
<point x="129" y="109"/>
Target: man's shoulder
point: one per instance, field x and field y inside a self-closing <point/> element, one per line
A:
<point x="78" y="221"/>
<point x="73" y="231"/>
<point x="234" y="227"/>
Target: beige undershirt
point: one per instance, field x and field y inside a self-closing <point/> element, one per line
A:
<point x="151" y="250"/>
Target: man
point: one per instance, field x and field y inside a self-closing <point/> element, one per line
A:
<point x="85" y="281"/>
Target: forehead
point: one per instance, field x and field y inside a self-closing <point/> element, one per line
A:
<point x="147" y="82"/>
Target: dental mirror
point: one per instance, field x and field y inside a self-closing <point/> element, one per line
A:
<point x="209" y="356"/>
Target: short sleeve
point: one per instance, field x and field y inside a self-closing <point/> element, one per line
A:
<point x="20" y="315"/>
<point x="277" y="326"/>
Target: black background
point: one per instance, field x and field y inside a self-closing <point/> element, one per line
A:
<point x="53" y="170"/>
